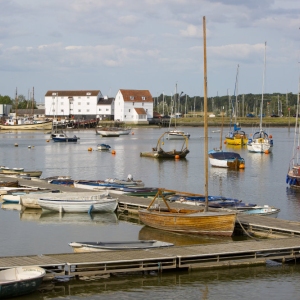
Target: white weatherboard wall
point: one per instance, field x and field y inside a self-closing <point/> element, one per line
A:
<point x="65" y="103"/>
<point x="125" y="108"/>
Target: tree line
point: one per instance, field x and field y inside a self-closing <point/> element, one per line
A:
<point x="20" y="101"/>
<point x="276" y="103"/>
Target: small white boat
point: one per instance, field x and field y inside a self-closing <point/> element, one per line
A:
<point x="264" y="210"/>
<point x="97" y="203"/>
<point x="20" y="281"/>
<point x="111" y="246"/>
<point x="177" y="135"/>
<point x="31" y="200"/>
<point x="103" y="147"/>
<point x="62" y="137"/>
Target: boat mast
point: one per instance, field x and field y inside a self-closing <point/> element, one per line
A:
<point x="263" y="86"/>
<point x="236" y="94"/>
<point x="221" y="135"/>
<point x="32" y="103"/>
<point x="16" y="103"/>
<point x="205" y="118"/>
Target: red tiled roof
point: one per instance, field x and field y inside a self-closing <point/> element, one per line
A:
<point x="72" y="93"/>
<point x="137" y="95"/>
<point x="140" y="111"/>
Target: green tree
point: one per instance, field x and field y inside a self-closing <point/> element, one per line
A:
<point x="5" y="100"/>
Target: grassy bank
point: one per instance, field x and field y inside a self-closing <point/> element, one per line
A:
<point x="244" y="122"/>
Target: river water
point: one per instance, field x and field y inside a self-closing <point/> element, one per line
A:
<point x="35" y="232"/>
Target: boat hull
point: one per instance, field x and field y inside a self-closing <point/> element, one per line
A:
<point x="65" y="139"/>
<point x="80" y="247"/>
<point x="163" y="154"/>
<point x="200" y="223"/>
<point x="20" y="281"/>
<point x="259" y="146"/>
<point x="77" y="206"/>
<point x="35" y="126"/>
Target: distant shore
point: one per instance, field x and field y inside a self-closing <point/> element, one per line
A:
<point x="216" y="122"/>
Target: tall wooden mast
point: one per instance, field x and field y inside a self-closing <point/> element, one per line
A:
<point x="205" y="119"/>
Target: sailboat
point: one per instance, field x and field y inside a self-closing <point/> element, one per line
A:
<point x="17" y="123"/>
<point x="176" y="134"/>
<point x="236" y="136"/>
<point x="224" y="159"/>
<point x="293" y="174"/>
<point x="193" y="221"/>
<point x="261" y="142"/>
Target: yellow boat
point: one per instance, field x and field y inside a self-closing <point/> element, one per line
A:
<point x="236" y="137"/>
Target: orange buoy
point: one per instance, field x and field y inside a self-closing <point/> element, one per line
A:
<point x="266" y="151"/>
<point x="90" y="149"/>
<point x="113" y="152"/>
<point x="242" y="166"/>
<point x="177" y="156"/>
<point x="270" y="136"/>
<point x="47" y="141"/>
<point x="225" y="142"/>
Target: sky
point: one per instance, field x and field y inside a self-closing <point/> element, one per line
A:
<point x="155" y="45"/>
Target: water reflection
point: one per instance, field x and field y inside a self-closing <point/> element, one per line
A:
<point x="270" y="281"/>
<point x="68" y="218"/>
<point x="148" y="233"/>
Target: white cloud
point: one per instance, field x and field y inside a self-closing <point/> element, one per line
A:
<point x="191" y="31"/>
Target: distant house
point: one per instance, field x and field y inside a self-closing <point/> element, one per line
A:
<point x="105" y="108"/>
<point x="5" y="109"/>
<point x="72" y="104"/>
<point x="133" y="106"/>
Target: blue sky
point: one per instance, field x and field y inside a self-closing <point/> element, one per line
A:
<point x="148" y="44"/>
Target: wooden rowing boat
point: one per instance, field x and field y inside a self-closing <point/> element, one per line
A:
<point x="191" y="221"/>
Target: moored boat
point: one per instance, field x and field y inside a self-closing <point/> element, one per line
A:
<point x="20" y="281"/>
<point x="103" y="147"/>
<point x="158" y="151"/>
<point x="231" y="160"/>
<point x="177" y="135"/>
<point x="96" y="203"/>
<point x="111" y="246"/>
<point x="190" y="221"/>
<point x="62" y="137"/>
<point x="30" y="126"/>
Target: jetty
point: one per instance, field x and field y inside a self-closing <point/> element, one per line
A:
<point x="270" y="239"/>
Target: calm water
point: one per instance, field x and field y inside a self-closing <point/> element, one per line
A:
<point x="34" y="232"/>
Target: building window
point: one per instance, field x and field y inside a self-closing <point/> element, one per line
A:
<point x="129" y="109"/>
<point x="79" y="103"/>
<point x="131" y="97"/>
<point x="87" y="110"/>
<point x="142" y="104"/>
<point x="99" y="109"/>
<point x="143" y="98"/>
<point x="133" y="103"/>
<point x="79" y="110"/>
<point x="79" y="97"/>
<point x="88" y="97"/>
<point x="62" y="110"/>
<point x="107" y="109"/>
<point x="53" y="103"/>
<point x="53" y="110"/>
<point x="88" y="103"/>
<point x="125" y="116"/>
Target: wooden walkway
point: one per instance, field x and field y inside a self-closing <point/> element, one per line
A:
<point x="172" y="258"/>
<point x="283" y="245"/>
